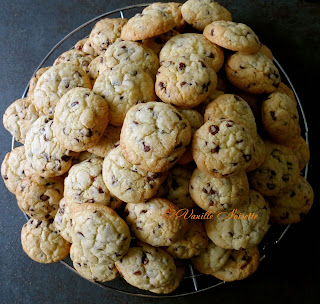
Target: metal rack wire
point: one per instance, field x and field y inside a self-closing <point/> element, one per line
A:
<point x="192" y="275"/>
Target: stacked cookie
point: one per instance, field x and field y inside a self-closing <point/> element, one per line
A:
<point x="146" y="117"/>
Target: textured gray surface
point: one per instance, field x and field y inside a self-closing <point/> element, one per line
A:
<point x="28" y="30"/>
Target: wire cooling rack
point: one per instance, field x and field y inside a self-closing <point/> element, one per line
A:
<point x="194" y="282"/>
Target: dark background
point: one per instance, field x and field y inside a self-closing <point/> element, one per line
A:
<point x="30" y="28"/>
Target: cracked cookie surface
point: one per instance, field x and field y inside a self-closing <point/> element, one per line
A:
<point x="222" y="147"/>
<point x="201" y="13"/>
<point x="123" y="87"/>
<point x="106" y="32"/>
<point x="252" y="73"/>
<point x="194" y="241"/>
<point x="185" y="81"/>
<point x="44" y="152"/>
<point x="278" y="173"/>
<point x="241" y="264"/>
<point x="211" y="259"/>
<point x="42" y="242"/>
<point x="133" y="53"/>
<point x="233" y="36"/>
<point x="292" y="206"/>
<point x="147" y="267"/>
<point x="100" y="233"/>
<point x="14" y="168"/>
<point x="81" y="117"/>
<point x="153" y="21"/>
<point x="190" y="43"/>
<point x="128" y="182"/>
<point x="154" y="135"/>
<point x="18" y="118"/>
<point x="77" y="57"/>
<point x="232" y="107"/>
<point x="229" y="232"/>
<point x="39" y="197"/>
<point x="84" y="184"/>
<point x="55" y="82"/>
<point x="280" y="118"/>
<point x="151" y="223"/>
<point x="218" y="194"/>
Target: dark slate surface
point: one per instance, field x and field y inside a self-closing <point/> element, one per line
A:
<point x="28" y="30"/>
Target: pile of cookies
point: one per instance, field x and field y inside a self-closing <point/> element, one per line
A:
<point x="177" y="108"/>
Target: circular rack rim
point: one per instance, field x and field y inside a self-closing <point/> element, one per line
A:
<point x="193" y="276"/>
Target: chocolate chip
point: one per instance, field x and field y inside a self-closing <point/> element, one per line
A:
<point x="162" y="86"/>
<point x="65" y="158"/>
<point x="247" y="157"/>
<point x="273" y="115"/>
<point x="178" y="146"/>
<point x="146" y="147"/>
<point x="182" y="66"/>
<point x="271" y="186"/>
<point x="213" y="129"/>
<point x="38" y="224"/>
<point x="44" y="197"/>
<point x="183" y="83"/>
<point x="211" y="32"/>
<point x="137" y="272"/>
<point x="215" y="150"/>
<point x="74" y="103"/>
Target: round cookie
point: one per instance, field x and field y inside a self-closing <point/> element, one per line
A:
<point x="200" y="13"/>
<point x="229" y="231"/>
<point x="55" y="82"/>
<point x="302" y="152"/>
<point x="176" y="187"/>
<point x="151" y="223"/>
<point x="194" y="241"/>
<point x="230" y="106"/>
<point x="211" y="259"/>
<point x="154" y="135"/>
<point x="233" y="36"/>
<point x="63" y="220"/>
<point x="14" y="168"/>
<point x="222" y="147"/>
<point x="106" y="32"/>
<point x="156" y="43"/>
<point x="173" y="9"/>
<point x="280" y="118"/>
<point x="278" y="173"/>
<point x="18" y="118"/>
<point x="90" y="267"/>
<point x="151" y="22"/>
<point x="218" y="194"/>
<point x="34" y="80"/>
<point x="196" y="121"/>
<point x="240" y="265"/>
<point x="84" y="184"/>
<point x="79" y="58"/>
<point x="191" y="43"/>
<point x="123" y="87"/>
<point x="293" y="205"/>
<point x="128" y="182"/>
<point x="147" y="267"/>
<point x="252" y="73"/>
<point x="133" y="54"/>
<point x="108" y="141"/>
<point x="43" y="150"/>
<point x="258" y="154"/>
<point x="81" y="117"/>
<point x="42" y="242"/>
<point x="185" y="82"/>
<point x="39" y="197"/>
<point x="100" y="233"/>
